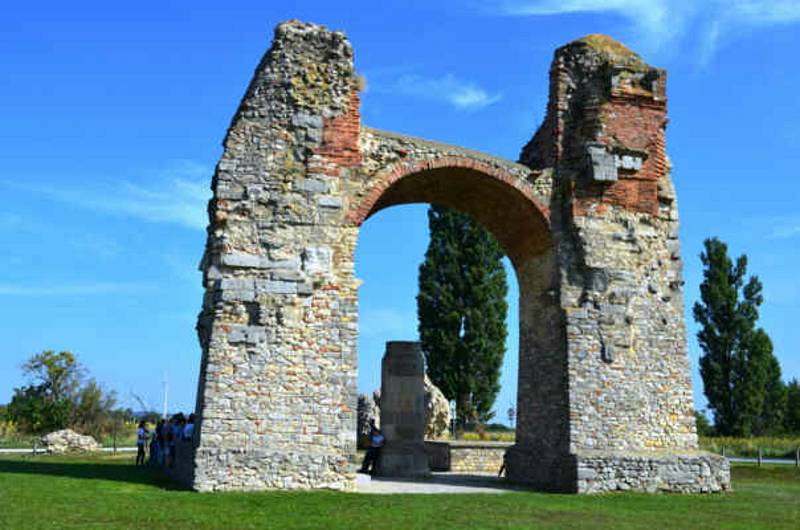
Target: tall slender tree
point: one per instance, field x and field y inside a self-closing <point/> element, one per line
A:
<point x="792" y="417"/>
<point x="462" y="309"/>
<point x="741" y="376"/>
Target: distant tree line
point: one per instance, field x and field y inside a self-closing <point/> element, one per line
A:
<point x="741" y="374"/>
<point x="58" y="395"/>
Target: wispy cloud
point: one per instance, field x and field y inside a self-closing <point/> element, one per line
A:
<point x="449" y="89"/>
<point x="786" y="231"/>
<point x="13" y="222"/>
<point x="179" y="196"/>
<point x="660" y="23"/>
<point x="74" y="289"/>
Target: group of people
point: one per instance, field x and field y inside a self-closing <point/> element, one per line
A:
<point x="163" y="439"/>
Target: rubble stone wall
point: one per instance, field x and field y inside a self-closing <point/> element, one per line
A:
<point x="588" y="218"/>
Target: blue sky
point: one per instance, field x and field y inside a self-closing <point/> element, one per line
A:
<point x="112" y="119"/>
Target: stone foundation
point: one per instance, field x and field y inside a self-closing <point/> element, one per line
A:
<point x="600" y="472"/>
<point x="182" y="469"/>
<point x="254" y="470"/>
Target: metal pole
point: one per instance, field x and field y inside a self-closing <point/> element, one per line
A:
<point x="115" y="436"/>
<point x="723" y="450"/>
<point x="797" y="457"/>
<point x="759" y="457"/>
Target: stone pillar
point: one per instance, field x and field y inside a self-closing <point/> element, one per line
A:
<point x="277" y="389"/>
<point x="403" y="411"/>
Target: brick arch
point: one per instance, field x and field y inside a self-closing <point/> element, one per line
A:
<point x="500" y="200"/>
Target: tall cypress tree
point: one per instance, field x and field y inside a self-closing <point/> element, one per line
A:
<point x="741" y="376"/>
<point x="462" y="309"/>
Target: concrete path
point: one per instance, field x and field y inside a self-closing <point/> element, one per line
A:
<point x="436" y="483"/>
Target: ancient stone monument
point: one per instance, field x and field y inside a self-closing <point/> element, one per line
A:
<point x="403" y="411"/>
<point x="437" y="414"/>
<point x="587" y="216"/>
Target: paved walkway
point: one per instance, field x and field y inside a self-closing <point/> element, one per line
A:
<point x="436" y="483"/>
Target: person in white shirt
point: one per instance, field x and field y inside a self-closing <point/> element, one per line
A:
<point x="141" y="440"/>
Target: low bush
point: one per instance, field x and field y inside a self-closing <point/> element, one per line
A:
<point x="488" y="436"/>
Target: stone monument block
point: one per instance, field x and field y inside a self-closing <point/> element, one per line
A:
<point x="403" y="411"/>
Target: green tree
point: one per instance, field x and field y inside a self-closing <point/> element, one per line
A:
<point x="740" y="374"/>
<point x="55" y="397"/>
<point x="791" y="419"/>
<point x="769" y="418"/>
<point x="58" y="374"/>
<point x="93" y="409"/>
<point x="46" y="403"/>
<point x="34" y="411"/>
<point x="704" y="428"/>
<point x="461" y="307"/>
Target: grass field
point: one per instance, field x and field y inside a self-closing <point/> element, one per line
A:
<point x="108" y="492"/>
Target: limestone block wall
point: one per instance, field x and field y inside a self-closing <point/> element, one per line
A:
<point x="484" y="457"/>
<point x="466" y="457"/>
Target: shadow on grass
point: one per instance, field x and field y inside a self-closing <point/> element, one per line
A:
<point x="150" y="476"/>
<point x="459" y="479"/>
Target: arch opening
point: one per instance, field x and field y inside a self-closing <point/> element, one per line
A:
<point x="515" y="219"/>
<point x="522" y="230"/>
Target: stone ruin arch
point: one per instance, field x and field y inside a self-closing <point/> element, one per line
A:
<point x="588" y="217"/>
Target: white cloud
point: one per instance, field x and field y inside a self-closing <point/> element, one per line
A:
<point x="786" y="231"/>
<point x="73" y="289"/>
<point x="461" y="94"/>
<point x="660" y="23"/>
<point x="179" y="196"/>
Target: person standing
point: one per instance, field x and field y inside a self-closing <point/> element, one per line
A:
<point x="376" y="441"/>
<point x="188" y="430"/>
<point x="141" y="440"/>
<point x="161" y="440"/>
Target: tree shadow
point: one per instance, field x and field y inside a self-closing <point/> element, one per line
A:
<point x="151" y="476"/>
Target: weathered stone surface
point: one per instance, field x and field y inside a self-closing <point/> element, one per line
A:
<point x="403" y="412"/>
<point x="69" y="441"/>
<point x="437" y="412"/>
<point x="603" y="367"/>
<point x="368" y="415"/>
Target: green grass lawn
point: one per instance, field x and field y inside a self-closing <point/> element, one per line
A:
<point x="108" y="492"/>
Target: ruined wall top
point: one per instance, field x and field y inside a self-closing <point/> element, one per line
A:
<point x="605" y="127"/>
